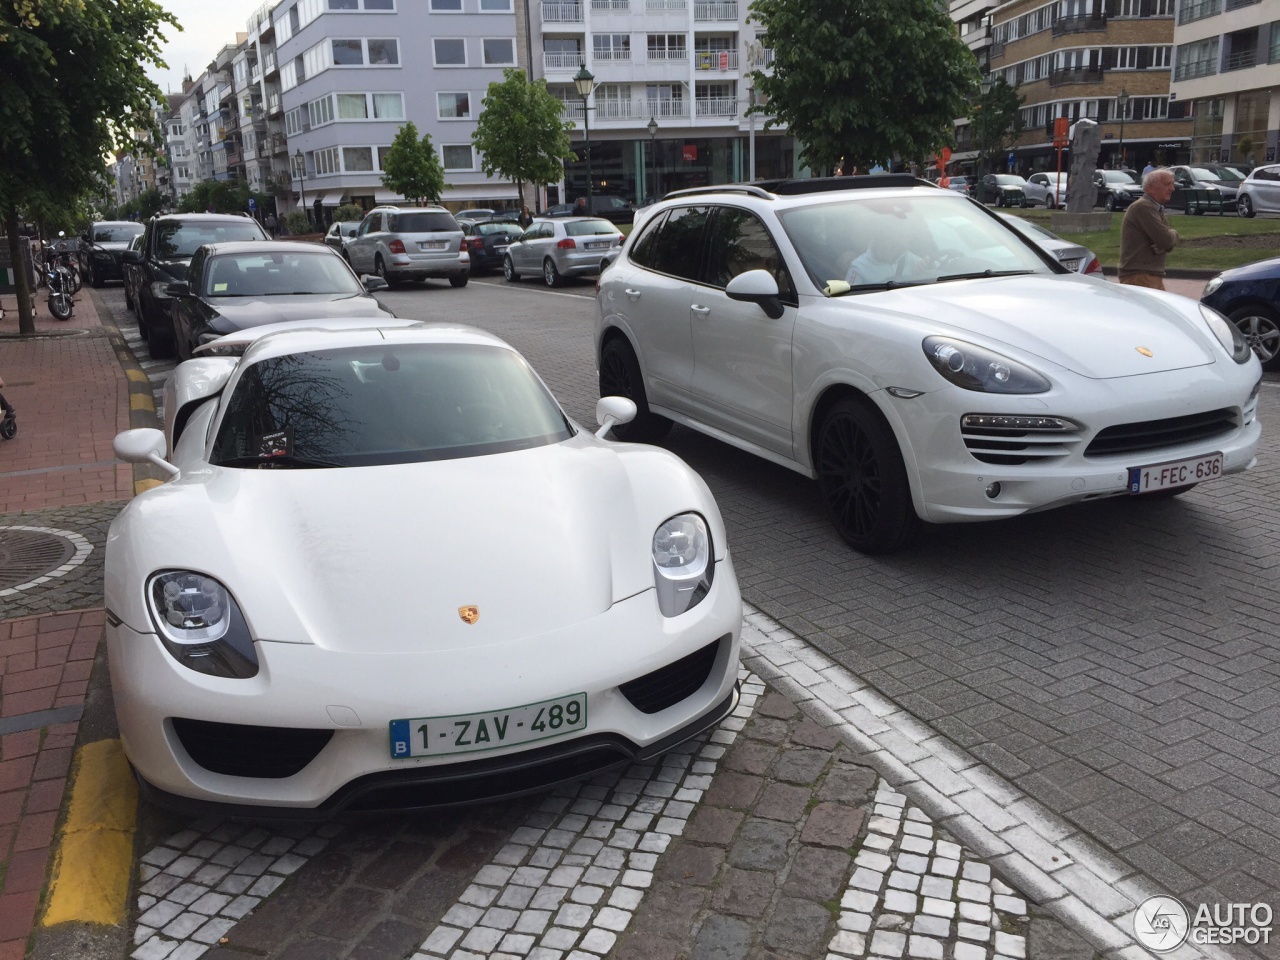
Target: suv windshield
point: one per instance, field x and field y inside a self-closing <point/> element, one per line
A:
<point x="435" y="222"/>
<point x="388" y="403"/>
<point x="274" y="274"/>
<point x="180" y="239"/>
<point x="928" y="237"/>
<point x="116" y="233"/>
<point x="587" y="228"/>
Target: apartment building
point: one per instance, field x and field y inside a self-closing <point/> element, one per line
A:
<point x="1226" y="74"/>
<point x="1107" y="60"/>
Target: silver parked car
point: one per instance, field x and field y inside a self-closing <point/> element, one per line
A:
<point x="1260" y="192"/>
<point x="410" y="243"/>
<point x="340" y="231"/>
<point x="560" y="248"/>
<point x="1049" y="189"/>
<point x="1070" y="255"/>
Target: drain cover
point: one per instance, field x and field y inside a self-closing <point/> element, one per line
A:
<point x="30" y="554"/>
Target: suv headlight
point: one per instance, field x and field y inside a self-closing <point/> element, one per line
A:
<point x="200" y="624"/>
<point x="976" y="368"/>
<point x="1228" y="334"/>
<point x="1212" y="286"/>
<point x="683" y="567"/>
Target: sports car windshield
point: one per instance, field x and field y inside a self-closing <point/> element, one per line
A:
<point x="269" y="274"/>
<point x="384" y="404"/>
<point x="881" y="243"/>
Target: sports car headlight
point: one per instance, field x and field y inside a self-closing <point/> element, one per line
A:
<point x="977" y="368"/>
<point x="1212" y="286"/>
<point x="682" y="563"/>
<point x="200" y="624"/>
<point x="1228" y="335"/>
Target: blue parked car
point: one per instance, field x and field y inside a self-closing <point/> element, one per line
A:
<point x="1250" y="297"/>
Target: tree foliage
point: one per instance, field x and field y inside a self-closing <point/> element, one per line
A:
<point x="222" y="196"/>
<point x="348" y="212"/>
<point x="864" y="80"/>
<point x="73" y="89"/>
<point x="993" y="121"/>
<point x="522" y="134"/>
<point x="411" y="167"/>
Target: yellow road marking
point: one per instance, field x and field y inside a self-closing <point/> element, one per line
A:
<point x="137" y="376"/>
<point x="141" y="486"/>
<point x="91" y="871"/>
<point x="141" y="401"/>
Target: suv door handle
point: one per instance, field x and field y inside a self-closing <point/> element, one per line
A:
<point x="700" y="310"/>
<point x="633" y="294"/>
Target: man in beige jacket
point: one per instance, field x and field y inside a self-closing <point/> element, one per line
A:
<point x="1145" y="236"/>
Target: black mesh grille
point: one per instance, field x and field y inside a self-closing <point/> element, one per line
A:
<point x="238" y="750"/>
<point x="669" y="685"/>
<point x="1155" y="434"/>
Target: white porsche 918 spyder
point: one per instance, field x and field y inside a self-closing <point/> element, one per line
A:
<point x="388" y="570"/>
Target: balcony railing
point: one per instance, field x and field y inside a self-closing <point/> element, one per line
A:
<point x="1075" y="75"/>
<point x="615" y="109"/>
<point x="269" y="64"/>
<point x="716" y="10"/>
<point x="557" y="11"/>
<point x="617" y="56"/>
<point x="572" y="111"/>
<point x="657" y="6"/>
<point x="1190" y="69"/>
<point x="562" y="61"/>
<point x="610" y="4"/>
<point x="716" y="59"/>
<point x="681" y="53"/>
<point x="1192" y="11"/>
<point x="1084" y="23"/>
<point x="1240" y="61"/>
<point x="273" y="104"/>
<point x="716" y="107"/>
<point x="666" y="108"/>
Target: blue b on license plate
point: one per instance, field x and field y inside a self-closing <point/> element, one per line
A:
<point x="473" y="732"/>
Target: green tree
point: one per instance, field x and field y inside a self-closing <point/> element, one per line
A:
<point x="73" y="89"/>
<point x="411" y="167"/>
<point x="348" y="212"/>
<point x="522" y="134"/>
<point x="863" y="80"/>
<point x="993" y="121"/>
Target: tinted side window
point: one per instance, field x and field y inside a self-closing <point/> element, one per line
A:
<point x="642" y="250"/>
<point x="741" y="242"/>
<point x="678" y="247"/>
<point x="367" y="224"/>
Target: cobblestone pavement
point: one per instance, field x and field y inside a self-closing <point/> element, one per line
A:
<point x="81" y="586"/>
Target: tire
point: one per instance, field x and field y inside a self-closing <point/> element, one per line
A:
<point x="550" y="274"/>
<point x="1110" y="204"/>
<point x="380" y="269"/>
<point x="509" y="270"/>
<point x="863" y="479"/>
<point x="94" y="280"/>
<point x="158" y="345"/>
<point x="1244" y="207"/>
<point x="1025" y="203"/>
<point x="60" y="306"/>
<point x="1051" y="203"/>
<point x="1260" y="326"/>
<point x="459" y="279"/>
<point x="128" y="297"/>
<point x="620" y="377"/>
<point x="8" y="428"/>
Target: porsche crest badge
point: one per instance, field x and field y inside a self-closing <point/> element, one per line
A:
<point x="469" y="615"/>
<point x="1144" y="351"/>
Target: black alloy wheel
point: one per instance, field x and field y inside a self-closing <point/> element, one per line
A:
<point x="1110" y="204"/>
<point x="863" y="480"/>
<point x="1260" y="327"/>
<point x="620" y="377"/>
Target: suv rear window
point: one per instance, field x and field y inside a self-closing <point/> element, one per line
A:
<point x="433" y="222"/>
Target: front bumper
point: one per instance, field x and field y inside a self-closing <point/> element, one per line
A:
<point x="354" y="697"/>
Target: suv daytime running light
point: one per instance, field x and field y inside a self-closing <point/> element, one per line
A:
<point x="1000" y="421"/>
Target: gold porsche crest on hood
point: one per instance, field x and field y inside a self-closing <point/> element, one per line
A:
<point x="469" y="615"/>
<point x="1146" y="352"/>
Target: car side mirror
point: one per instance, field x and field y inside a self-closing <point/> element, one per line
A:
<point x="373" y="284"/>
<point x="143" y="445"/>
<point x="756" y="286"/>
<point x="177" y="288"/>
<point x="130" y="256"/>
<point x="613" y="410"/>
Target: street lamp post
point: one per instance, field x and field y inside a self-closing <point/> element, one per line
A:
<point x="302" y="178"/>
<point x="751" y="127"/>
<point x="582" y="81"/>
<point x="652" y="127"/>
<point x="1122" y="104"/>
<point x="981" y="192"/>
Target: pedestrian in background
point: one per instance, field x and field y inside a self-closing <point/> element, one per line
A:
<point x="1148" y="168"/>
<point x="580" y="207"/>
<point x="525" y="217"/>
<point x="1145" y="235"/>
<point x="271" y="224"/>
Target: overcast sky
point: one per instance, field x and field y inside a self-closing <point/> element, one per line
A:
<point x="207" y="26"/>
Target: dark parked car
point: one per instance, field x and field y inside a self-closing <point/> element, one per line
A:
<point x="232" y="286"/>
<point x="1116" y="189"/>
<point x="1250" y="298"/>
<point x="1216" y="189"/>
<point x="1002" y="189"/>
<point x="487" y="241"/>
<point x="100" y="249"/>
<point x="340" y="231"/>
<point x="613" y="209"/>
<point x="132" y="274"/>
<point x="166" y="251"/>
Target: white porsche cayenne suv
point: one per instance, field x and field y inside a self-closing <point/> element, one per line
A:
<point x="916" y="355"/>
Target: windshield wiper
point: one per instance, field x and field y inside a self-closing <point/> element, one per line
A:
<point x="282" y="460"/>
<point x="981" y="274"/>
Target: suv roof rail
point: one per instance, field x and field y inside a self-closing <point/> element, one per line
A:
<point x="768" y="189"/>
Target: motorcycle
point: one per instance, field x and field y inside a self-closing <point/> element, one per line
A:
<point x="59" y="284"/>
<point x="67" y="262"/>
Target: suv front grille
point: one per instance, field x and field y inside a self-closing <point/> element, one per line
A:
<point x="239" y="750"/>
<point x="668" y="685"/>
<point x="1155" y="434"/>
<point x="1008" y="440"/>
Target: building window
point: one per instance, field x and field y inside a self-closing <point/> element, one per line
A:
<point x="446" y="6"/>
<point x="353" y="106"/>
<point x="348" y="53"/>
<point x="326" y="161"/>
<point x="611" y="46"/>
<point x="1198" y="59"/>
<point x="454" y="106"/>
<point x="450" y="51"/>
<point x="388" y="106"/>
<point x="667" y="46"/>
<point x="320" y="111"/>
<point x="382" y="157"/>
<point x="499" y="52"/>
<point x="495" y="6"/>
<point x="383" y="52"/>
<point x="457" y="156"/>
<point x="357" y="159"/>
